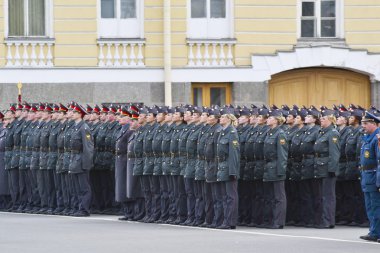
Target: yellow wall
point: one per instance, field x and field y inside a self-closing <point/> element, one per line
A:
<point x="362" y="24"/>
<point x="75" y="32"/>
<point x="261" y="26"/>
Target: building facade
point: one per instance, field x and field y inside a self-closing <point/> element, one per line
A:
<point x="191" y="51"/>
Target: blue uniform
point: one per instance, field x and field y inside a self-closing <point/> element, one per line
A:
<point x="370" y="181"/>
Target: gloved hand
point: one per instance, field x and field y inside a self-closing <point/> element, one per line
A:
<point x="232" y="177"/>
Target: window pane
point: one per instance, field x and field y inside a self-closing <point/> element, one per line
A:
<point x="308" y="9"/>
<point x="218" y="8"/>
<point x="197" y="96"/>
<point x="16" y="18"/>
<point x="198" y="9"/>
<point x="108" y="8"/>
<point x="218" y="96"/>
<point x="128" y="8"/>
<point x="307" y="28"/>
<point x="328" y="28"/>
<point x="36" y="17"/>
<point x="328" y="9"/>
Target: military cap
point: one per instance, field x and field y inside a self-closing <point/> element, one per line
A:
<point x="96" y="109"/>
<point x="274" y="107"/>
<point x="135" y="115"/>
<point x="285" y="110"/>
<point x="369" y="117"/>
<point x="245" y="111"/>
<point x="214" y="111"/>
<point x="80" y="109"/>
<point x="180" y="109"/>
<point x="344" y="114"/>
<point x="162" y="109"/>
<point x="328" y="112"/>
<point x="294" y="111"/>
<point x="105" y="109"/>
<point x="33" y="108"/>
<point x="264" y="111"/>
<point x="358" y="112"/>
<point x="124" y="111"/>
<point x="62" y="108"/>
<point x="227" y="110"/>
<point x="19" y="107"/>
<point x="275" y="113"/>
<point x="71" y="105"/>
<point x="89" y="108"/>
<point x="313" y="111"/>
<point x="48" y="108"/>
<point x="134" y="108"/>
<point x="171" y="110"/>
<point x="55" y="108"/>
<point x="26" y="106"/>
<point x="152" y="110"/>
<point x="41" y="107"/>
<point x="112" y="109"/>
<point x="197" y="109"/>
<point x="143" y="110"/>
<point x="12" y="108"/>
<point x="303" y="112"/>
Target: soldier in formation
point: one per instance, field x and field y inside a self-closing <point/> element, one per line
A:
<point x="215" y="167"/>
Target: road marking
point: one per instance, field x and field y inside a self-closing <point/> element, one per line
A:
<point x="114" y="219"/>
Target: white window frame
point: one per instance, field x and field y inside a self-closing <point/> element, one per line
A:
<point x="49" y="29"/>
<point x="217" y="28"/>
<point x="112" y="27"/>
<point x="339" y="19"/>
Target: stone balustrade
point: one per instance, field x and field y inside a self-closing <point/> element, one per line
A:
<point x="210" y="52"/>
<point x="29" y="52"/>
<point x="121" y="53"/>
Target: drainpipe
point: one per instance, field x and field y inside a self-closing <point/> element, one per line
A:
<point x="167" y="53"/>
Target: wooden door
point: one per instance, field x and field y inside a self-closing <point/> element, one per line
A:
<point x="207" y="94"/>
<point x="319" y="86"/>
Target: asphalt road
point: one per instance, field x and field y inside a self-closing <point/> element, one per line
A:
<point x="27" y="233"/>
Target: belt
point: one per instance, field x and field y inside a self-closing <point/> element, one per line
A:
<point x="221" y="158"/>
<point x="201" y="157"/>
<point x="131" y="155"/>
<point x="61" y="150"/>
<point x="44" y="149"/>
<point x="23" y="148"/>
<point x="368" y="167"/>
<point x="157" y="155"/>
<point x="8" y="149"/>
<point x="149" y="154"/>
<point x="190" y="156"/>
<point x="120" y="152"/>
<point x="166" y="154"/>
<point x="308" y="156"/>
<point x="76" y="151"/>
<point x="321" y="155"/>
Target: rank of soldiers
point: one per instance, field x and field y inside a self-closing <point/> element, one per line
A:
<point x="216" y="167"/>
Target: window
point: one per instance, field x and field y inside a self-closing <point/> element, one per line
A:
<point x="26" y="18"/>
<point x="319" y="18"/>
<point x="210" y="19"/>
<point x="211" y="94"/>
<point x="120" y="18"/>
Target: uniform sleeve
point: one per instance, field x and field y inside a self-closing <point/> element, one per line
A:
<point x="378" y="167"/>
<point x="88" y="149"/>
<point x="334" y="152"/>
<point x="234" y="154"/>
<point x="282" y="154"/>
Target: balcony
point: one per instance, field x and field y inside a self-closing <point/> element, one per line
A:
<point x="29" y="52"/>
<point x="211" y="52"/>
<point x="121" y="53"/>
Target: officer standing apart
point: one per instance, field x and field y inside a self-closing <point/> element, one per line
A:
<point x="81" y="160"/>
<point x="228" y="156"/>
<point x="370" y="179"/>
